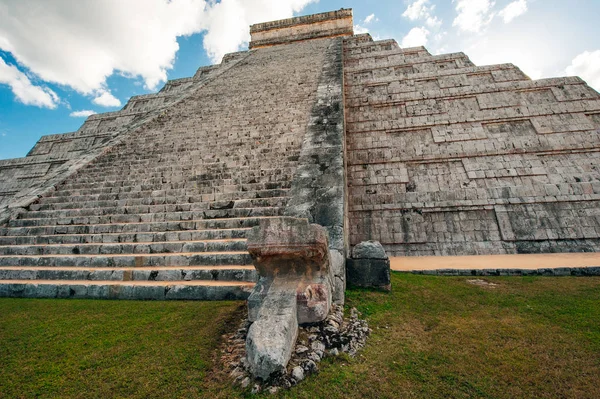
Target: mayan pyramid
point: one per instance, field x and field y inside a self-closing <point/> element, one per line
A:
<point x="428" y="154"/>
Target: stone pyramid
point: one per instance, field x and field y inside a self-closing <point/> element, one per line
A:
<point x="430" y="155"/>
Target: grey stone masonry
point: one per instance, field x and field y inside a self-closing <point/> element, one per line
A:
<point x="318" y="190"/>
<point x="317" y="26"/>
<point x="162" y="209"/>
<point x="448" y="158"/>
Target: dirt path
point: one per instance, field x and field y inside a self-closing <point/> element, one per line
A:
<point x="534" y="261"/>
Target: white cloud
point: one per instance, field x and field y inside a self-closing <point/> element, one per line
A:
<point x="422" y="10"/>
<point x="80" y="43"/>
<point x="473" y="15"/>
<point x="82" y="114"/>
<point x="24" y="90"/>
<point x="370" y="18"/>
<point x="106" y="100"/>
<point x="419" y="9"/>
<point x="433" y="22"/>
<point x="416" y="37"/>
<point x="587" y="66"/>
<point x="513" y="10"/>
<point x="359" y="30"/>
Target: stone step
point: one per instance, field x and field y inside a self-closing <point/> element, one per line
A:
<point x="160" y="183"/>
<point x="169" y="204"/>
<point x="228" y="167"/>
<point x="188" y="161"/>
<point x="131" y="260"/>
<point x="109" y="181"/>
<point x="172" y="226"/>
<point x="189" y="235"/>
<point x="493" y="92"/>
<point x="155" y="197"/>
<point x="515" y="75"/>
<point x="186" y="188"/>
<point x="110" y="209"/>
<point x="24" y="221"/>
<point x="126" y="248"/>
<point x="168" y="273"/>
<point x="182" y="143"/>
<point x="128" y="175"/>
<point x="177" y="161"/>
<point x="137" y="290"/>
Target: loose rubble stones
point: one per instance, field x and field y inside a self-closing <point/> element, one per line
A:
<point x="332" y="337"/>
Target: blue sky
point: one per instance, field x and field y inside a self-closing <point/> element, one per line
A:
<point x="61" y="60"/>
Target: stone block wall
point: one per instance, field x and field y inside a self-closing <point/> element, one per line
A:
<point x="309" y="27"/>
<point x="448" y="158"/>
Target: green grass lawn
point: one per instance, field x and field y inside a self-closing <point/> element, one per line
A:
<point x="433" y="337"/>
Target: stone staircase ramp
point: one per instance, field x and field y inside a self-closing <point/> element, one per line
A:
<point x="164" y="214"/>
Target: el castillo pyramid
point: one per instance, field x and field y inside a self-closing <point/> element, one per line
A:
<point x="427" y="154"/>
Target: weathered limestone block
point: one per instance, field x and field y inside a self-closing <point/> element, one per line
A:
<point x="295" y="287"/>
<point x="480" y="146"/>
<point x="288" y="245"/>
<point x="369" y="250"/>
<point x="369" y="266"/>
<point x="272" y="336"/>
<point x="291" y="249"/>
<point x="313" y="300"/>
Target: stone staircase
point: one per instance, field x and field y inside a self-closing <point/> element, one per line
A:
<point x="164" y="213"/>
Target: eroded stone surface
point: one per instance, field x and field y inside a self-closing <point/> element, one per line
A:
<point x="369" y="266"/>
<point x="448" y="158"/>
<point x="318" y="191"/>
<point x="289" y="246"/>
<point x="272" y="336"/>
<point x="369" y="250"/>
<point x="292" y="259"/>
<point x="328" y="24"/>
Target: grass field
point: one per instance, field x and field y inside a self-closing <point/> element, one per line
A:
<point x="433" y="337"/>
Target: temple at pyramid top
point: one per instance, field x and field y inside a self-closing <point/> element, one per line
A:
<point x="316" y="26"/>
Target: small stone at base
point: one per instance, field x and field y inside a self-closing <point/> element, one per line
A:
<point x="298" y="373"/>
<point x="310" y="366"/>
<point x="245" y="382"/>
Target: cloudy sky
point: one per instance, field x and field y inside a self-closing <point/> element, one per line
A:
<point x="62" y="60"/>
